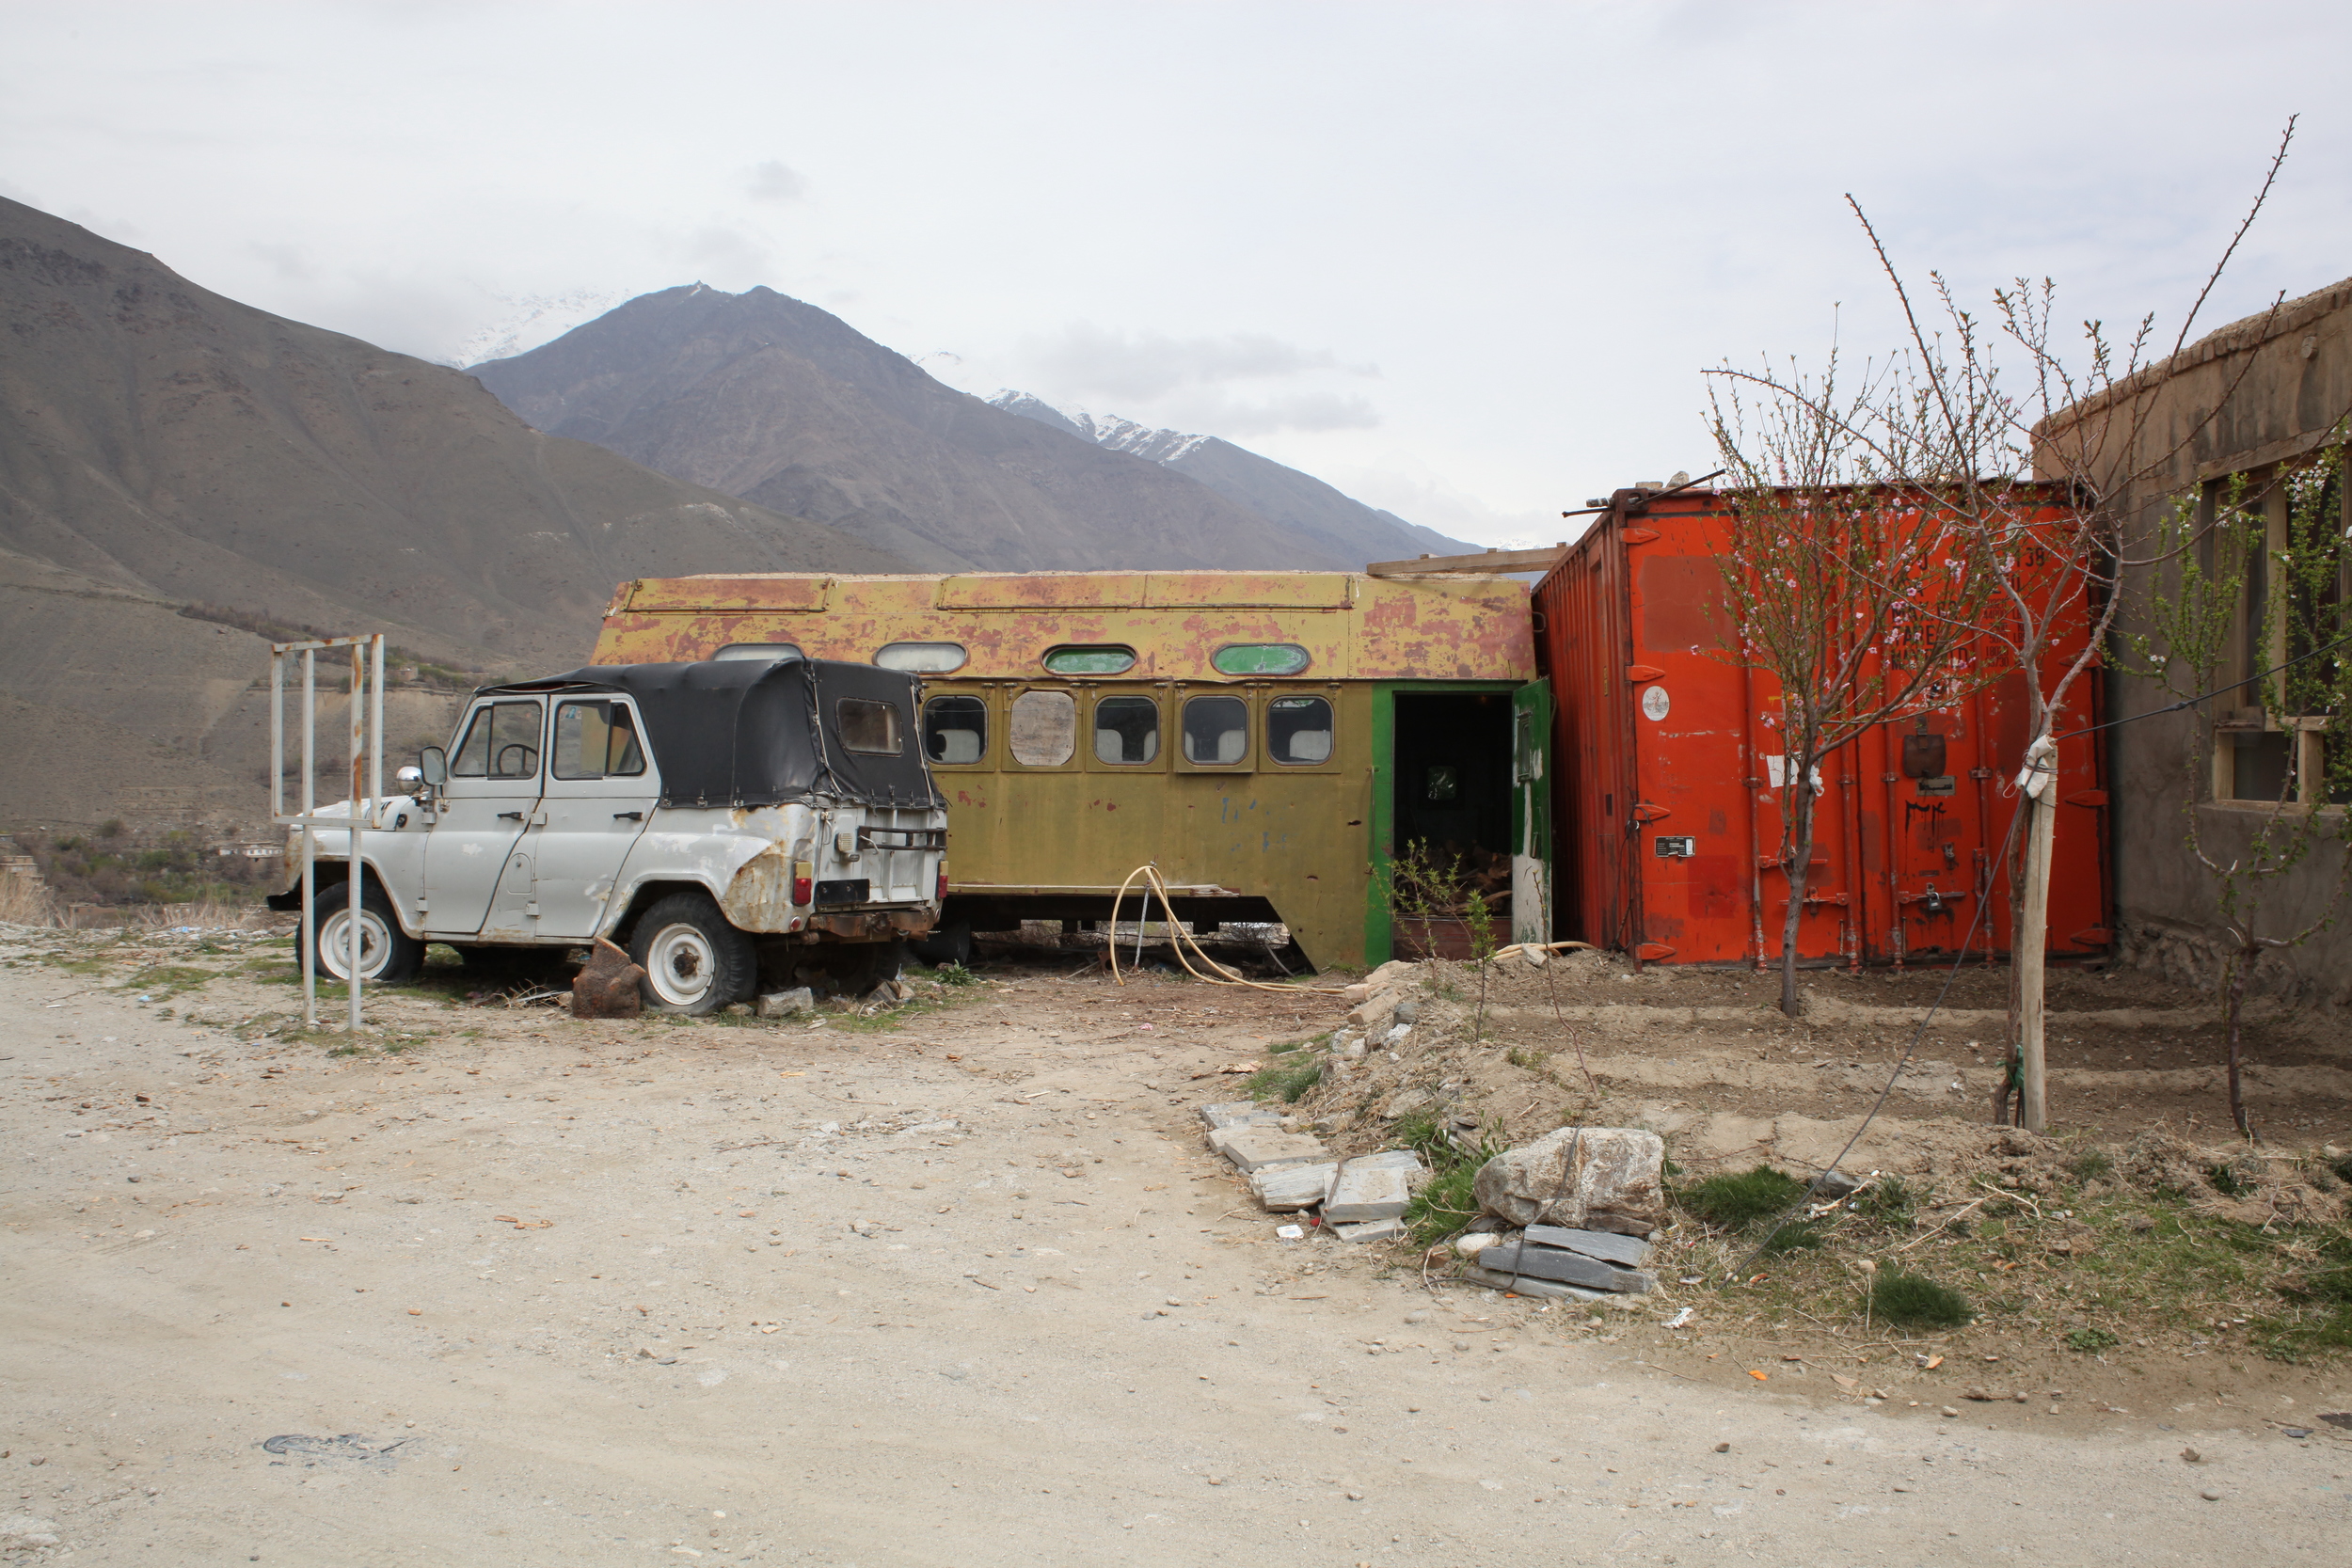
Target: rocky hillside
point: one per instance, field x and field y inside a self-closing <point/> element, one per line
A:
<point x="1296" y="502"/>
<point x="773" y="399"/>
<point x="180" y="473"/>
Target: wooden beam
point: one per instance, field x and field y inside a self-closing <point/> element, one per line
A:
<point x="1491" y="562"/>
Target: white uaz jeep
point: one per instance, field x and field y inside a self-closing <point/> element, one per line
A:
<point x="717" y="820"/>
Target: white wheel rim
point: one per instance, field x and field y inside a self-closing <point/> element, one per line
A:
<point x="335" y="946"/>
<point x="680" y="965"/>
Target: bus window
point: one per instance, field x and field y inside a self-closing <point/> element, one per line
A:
<point x="1298" y="730"/>
<point x="922" y="659"/>
<point x="768" y="652"/>
<point x="955" y="729"/>
<point x="1126" y="730"/>
<point x="1216" y="730"/>
<point x="1099" y="659"/>
<point x="1044" y="728"/>
<point x="1258" y="658"/>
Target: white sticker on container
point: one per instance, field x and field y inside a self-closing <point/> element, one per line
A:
<point x="1655" y="702"/>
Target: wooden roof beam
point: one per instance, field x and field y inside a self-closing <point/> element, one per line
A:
<point x="1490" y="562"/>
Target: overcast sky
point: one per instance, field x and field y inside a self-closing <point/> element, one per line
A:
<point x="1465" y="261"/>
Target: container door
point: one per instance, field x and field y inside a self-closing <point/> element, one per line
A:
<point x="1531" y="812"/>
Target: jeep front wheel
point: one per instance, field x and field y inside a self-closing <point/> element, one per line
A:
<point x="694" y="961"/>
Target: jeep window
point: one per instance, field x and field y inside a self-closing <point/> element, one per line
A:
<point x="1126" y="730"/>
<point x="1216" y="730"/>
<point x="955" y="729"/>
<point x="502" y="742"/>
<point x="597" y="740"/>
<point x="1044" y="728"/>
<point x="866" y="726"/>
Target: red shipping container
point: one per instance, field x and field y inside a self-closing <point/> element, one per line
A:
<point x="1668" y="778"/>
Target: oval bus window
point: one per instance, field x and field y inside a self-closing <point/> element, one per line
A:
<point x="774" y="652"/>
<point x="1260" y="658"/>
<point x="1102" y="659"/>
<point x="866" y="726"/>
<point x="1216" y="730"/>
<point x="1044" y="728"/>
<point x="1298" y="730"/>
<point x="922" y="659"/>
<point x="955" y="729"/>
<point x="1126" y="730"/>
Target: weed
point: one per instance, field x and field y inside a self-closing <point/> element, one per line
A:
<point x="954" y="975"/>
<point x="2091" y="1340"/>
<point x="1446" y="1205"/>
<point x="1896" y="1297"/>
<point x="2343" y="1168"/>
<point x="1796" y="1236"/>
<point x="1283" y="1083"/>
<point x="2228" y="1182"/>
<point x="1285" y="1048"/>
<point x="1890" y="1201"/>
<point x="1522" y="1057"/>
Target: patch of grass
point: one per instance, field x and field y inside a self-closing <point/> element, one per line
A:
<point x="1730" y="1202"/>
<point x="1446" y="1206"/>
<point x="168" y="980"/>
<point x="1908" y="1299"/>
<point x="2092" y="1165"/>
<point x="1285" y="1047"/>
<point x="1285" y="1083"/>
<point x="1524" y="1056"/>
<point x="2087" y="1339"/>
<point x="2226" y="1181"/>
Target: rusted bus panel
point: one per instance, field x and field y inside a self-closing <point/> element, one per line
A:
<point x="1032" y="834"/>
<point x="1684" y="836"/>
<point x="1353" y="627"/>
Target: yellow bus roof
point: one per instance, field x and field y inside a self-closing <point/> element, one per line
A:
<point x="1353" y="627"/>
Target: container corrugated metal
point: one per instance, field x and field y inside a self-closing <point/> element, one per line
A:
<point x="1668" y="789"/>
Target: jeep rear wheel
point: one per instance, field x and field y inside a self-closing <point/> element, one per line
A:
<point x="694" y="961"/>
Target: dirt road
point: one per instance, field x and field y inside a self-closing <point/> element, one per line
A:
<point x="533" y="1291"/>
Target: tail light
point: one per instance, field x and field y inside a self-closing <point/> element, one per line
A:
<point x="803" y="882"/>
<point x="942" y="894"/>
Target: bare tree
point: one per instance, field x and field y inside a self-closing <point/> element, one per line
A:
<point x="1942" y="420"/>
<point x="1859" y="593"/>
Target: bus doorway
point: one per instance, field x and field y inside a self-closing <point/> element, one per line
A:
<point x="1451" y="803"/>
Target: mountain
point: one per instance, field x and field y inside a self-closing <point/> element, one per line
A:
<point x="1280" y="495"/>
<point x="180" y="472"/>
<point x="765" y="397"/>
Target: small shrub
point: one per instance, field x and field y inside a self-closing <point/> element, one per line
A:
<point x="1730" y="1202"/>
<point x="2091" y="1340"/>
<point x="954" y="975"/>
<point x="1446" y="1205"/>
<point x="2228" y="1182"/>
<point x="1896" y="1297"/>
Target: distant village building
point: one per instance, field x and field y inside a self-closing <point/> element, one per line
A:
<point x="2240" y="402"/>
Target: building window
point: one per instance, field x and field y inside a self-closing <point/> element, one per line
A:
<point x="2278" y="729"/>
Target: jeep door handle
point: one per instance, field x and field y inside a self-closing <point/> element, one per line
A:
<point x="510" y="816"/>
<point x="628" y="816"/>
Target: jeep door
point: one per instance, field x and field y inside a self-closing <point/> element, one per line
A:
<point x="493" y="791"/>
<point x="601" y="788"/>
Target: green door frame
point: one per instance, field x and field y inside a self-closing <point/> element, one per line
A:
<point x="1380" y="925"/>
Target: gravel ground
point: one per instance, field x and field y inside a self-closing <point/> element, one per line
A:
<point x="961" y="1289"/>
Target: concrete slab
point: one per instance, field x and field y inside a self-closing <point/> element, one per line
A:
<point x="1367" y="1192"/>
<point x="1256" y="1148"/>
<point x="1571" y="1268"/>
<point x="1371" y="1230"/>
<point x="1239" y="1113"/>
<point x="1632" y="1251"/>
<point x="1285" y="1187"/>
<point x="1526" y="1286"/>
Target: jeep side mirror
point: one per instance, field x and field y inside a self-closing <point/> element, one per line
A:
<point x="433" y="765"/>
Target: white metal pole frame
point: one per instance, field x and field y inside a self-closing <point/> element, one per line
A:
<point x="367" y="790"/>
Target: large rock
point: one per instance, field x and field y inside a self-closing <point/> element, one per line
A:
<point x="1588" y="1178"/>
<point x="607" y="985"/>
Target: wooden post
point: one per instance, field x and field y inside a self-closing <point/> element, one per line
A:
<point x="2037" y="789"/>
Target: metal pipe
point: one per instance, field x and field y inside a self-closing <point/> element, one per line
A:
<point x="310" y="871"/>
<point x="351" y="863"/>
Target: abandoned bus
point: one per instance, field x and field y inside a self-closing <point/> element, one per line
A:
<point x="1270" y="740"/>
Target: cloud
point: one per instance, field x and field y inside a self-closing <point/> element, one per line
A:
<point x="1093" y="362"/>
<point x="1301" y="410"/>
<point x="775" y="182"/>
